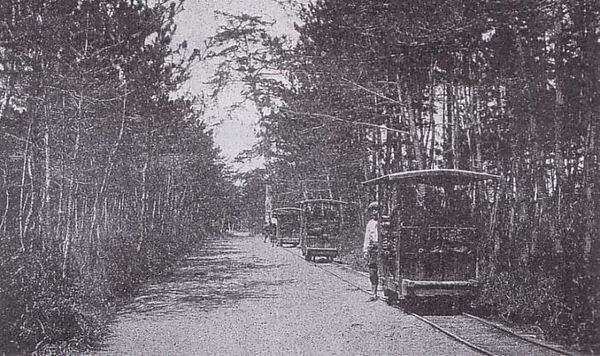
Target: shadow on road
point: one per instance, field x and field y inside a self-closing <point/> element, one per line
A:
<point x="216" y="276"/>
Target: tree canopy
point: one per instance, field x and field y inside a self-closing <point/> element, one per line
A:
<point x="107" y="175"/>
<point x="512" y="88"/>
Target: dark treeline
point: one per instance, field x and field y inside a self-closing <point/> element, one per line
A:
<point x="106" y="177"/>
<point x="506" y="87"/>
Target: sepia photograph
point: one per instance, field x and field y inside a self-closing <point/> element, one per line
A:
<point x="299" y="177"/>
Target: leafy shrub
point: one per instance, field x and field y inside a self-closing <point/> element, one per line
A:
<point x="40" y="307"/>
<point x="44" y="312"/>
<point x="564" y="308"/>
<point x="351" y="248"/>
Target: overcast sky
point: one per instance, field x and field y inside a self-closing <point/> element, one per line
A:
<point x="233" y="132"/>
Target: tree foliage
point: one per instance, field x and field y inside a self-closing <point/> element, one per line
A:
<point x="511" y="87"/>
<point x="107" y="176"/>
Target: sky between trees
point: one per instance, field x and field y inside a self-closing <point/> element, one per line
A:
<point x="234" y="130"/>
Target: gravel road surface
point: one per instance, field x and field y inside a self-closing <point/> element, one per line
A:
<point x="240" y="296"/>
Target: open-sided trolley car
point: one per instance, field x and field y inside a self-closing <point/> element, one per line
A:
<point x="288" y="225"/>
<point x="321" y="225"/>
<point x="427" y="232"/>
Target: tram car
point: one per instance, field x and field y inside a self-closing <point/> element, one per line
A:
<point x="269" y="231"/>
<point x="429" y="238"/>
<point x="321" y="228"/>
<point x="288" y="225"/>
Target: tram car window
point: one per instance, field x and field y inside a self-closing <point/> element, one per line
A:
<point x="288" y="226"/>
<point x="321" y="228"/>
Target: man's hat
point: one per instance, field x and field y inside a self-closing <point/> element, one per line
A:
<point x="373" y="205"/>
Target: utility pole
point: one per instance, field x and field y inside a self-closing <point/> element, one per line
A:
<point x="268" y="203"/>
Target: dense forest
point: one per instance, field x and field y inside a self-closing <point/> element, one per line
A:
<point x="505" y="87"/>
<point x="106" y="176"/>
<point x="109" y="174"/>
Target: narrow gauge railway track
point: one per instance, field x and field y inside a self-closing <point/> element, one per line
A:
<point x="486" y="337"/>
<point x="479" y="334"/>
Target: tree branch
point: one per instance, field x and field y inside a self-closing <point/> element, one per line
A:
<point x="358" y="123"/>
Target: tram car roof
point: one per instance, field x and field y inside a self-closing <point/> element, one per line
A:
<point x="325" y="201"/>
<point x="288" y="210"/>
<point x="435" y="177"/>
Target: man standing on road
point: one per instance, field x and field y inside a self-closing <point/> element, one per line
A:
<point x="266" y="231"/>
<point x="371" y="246"/>
<point x="273" y="231"/>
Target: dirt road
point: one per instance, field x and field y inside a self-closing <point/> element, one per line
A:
<point x="241" y="296"/>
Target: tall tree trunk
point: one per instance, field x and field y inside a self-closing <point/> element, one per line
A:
<point x="70" y="201"/>
<point x="143" y="206"/>
<point x="479" y="125"/>
<point x="3" y="223"/>
<point x="45" y="207"/>
<point x="107" y="174"/>
<point x="72" y="218"/>
<point x="451" y="123"/>
<point x="557" y="125"/>
<point x="590" y="171"/>
<point x="405" y="97"/>
<point x="22" y="190"/>
<point x="32" y="198"/>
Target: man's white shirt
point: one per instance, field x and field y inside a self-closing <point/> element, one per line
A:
<point x="371" y="235"/>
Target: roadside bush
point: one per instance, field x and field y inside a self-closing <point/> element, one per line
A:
<point x="562" y="305"/>
<point x="39" y="306"/>
<point x="351" y="248"/>
<point x="45" y="313"/>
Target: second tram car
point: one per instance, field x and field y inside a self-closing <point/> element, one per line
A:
<point x="428" y="236"/>
<point x="288" y="225"/>
<point x="321" y="228"/>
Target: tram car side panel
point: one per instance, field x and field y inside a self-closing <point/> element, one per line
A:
<point x="429" y="245"/>
<point x="322" y="238"/>
<point x="425" y="253"/>
<point x="288" y="226"/>
<point x="321" y="228"/>
<point x="436" y="261"/>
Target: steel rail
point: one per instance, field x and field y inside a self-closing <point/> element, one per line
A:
<point x="434" y="325"/>
<point x="336" y="275"/>
<point x="486" y="322"/>
<point x="454" y="336"/>
<point x="512" y="333"/>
